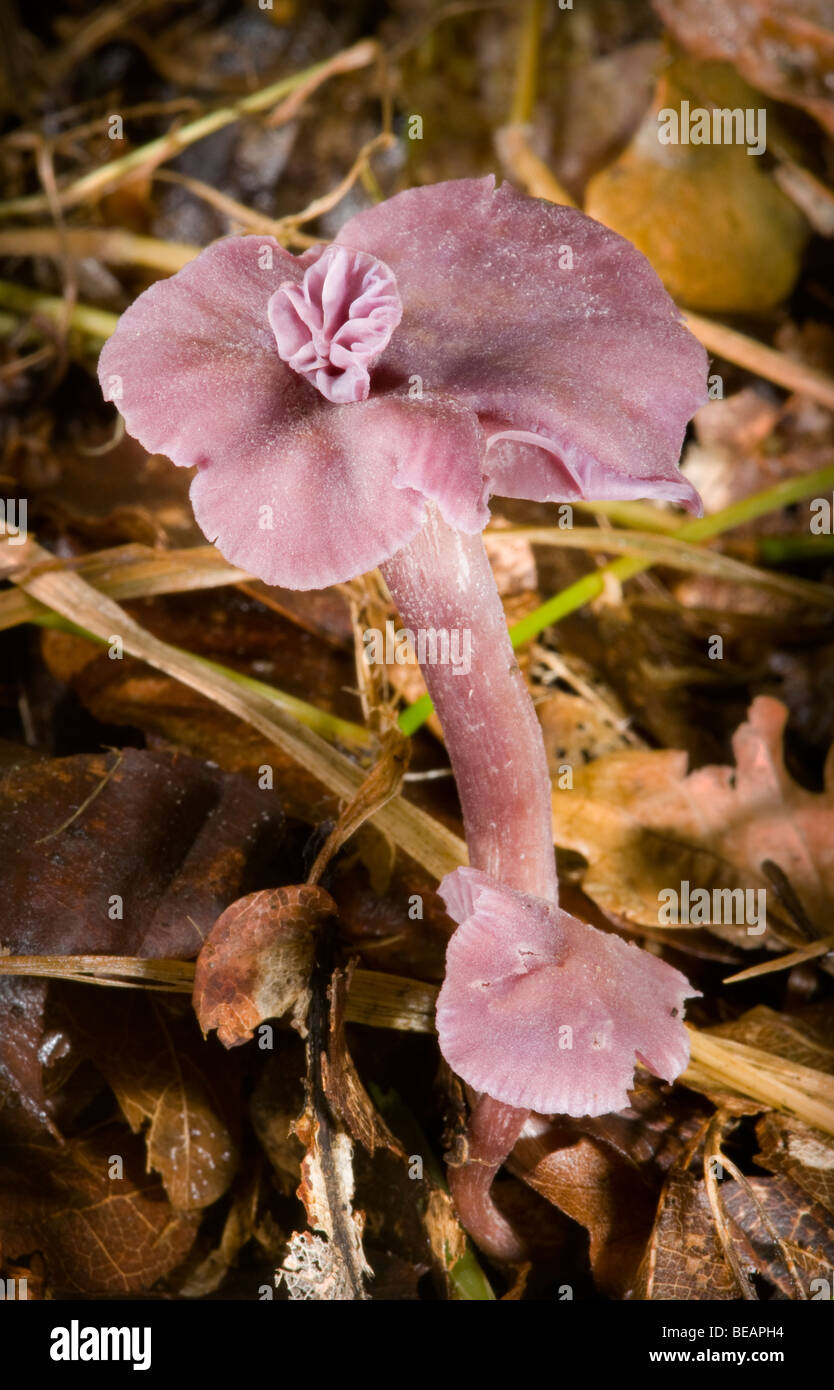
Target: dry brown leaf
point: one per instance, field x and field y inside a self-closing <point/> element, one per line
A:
<point x="383" y="782"/>
<point x="24" y="1107"/>
<point x="146" y="1051"/>
<point x="99" y="1235"/>
<point x="606" y="1195"/>
<point x="257" y="960"/>
<point x="137" y="858"/>
<point x="774" y="1210"/>
<point x="799" y="1152"/>
<point x="645" y="826"/>
<point x="684" y="1259"/>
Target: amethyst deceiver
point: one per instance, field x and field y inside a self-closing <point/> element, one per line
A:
<point x="357" y="406"/>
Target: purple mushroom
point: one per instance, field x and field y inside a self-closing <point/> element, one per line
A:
<point x="358" y="406"/>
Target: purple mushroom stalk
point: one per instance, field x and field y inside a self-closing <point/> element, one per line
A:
<point x="357" y="406"/>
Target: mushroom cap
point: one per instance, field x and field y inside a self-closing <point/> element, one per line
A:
<point x="537" y="356"/>
<point x="543" y="1012"/>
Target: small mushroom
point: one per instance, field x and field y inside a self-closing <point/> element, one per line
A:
<point x="357" y="406"/>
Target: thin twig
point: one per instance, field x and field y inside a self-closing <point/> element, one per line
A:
<point x="93" y="185"/>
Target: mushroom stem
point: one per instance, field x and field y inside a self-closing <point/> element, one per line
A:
<point x="442" y="583"/>
<point x="492" y="1133"/>
<point x="445" y="593"/>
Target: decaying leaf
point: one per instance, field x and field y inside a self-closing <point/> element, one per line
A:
<point x="148" y="1056"/>
<point x="799" y="1152"/>
<point x="147" y="864"/>
<point x="313" y="1271"/>
<point x="684" y="1259"/>
<point x="257" y="960"/>
<point x="23" y="1102"/>
<point x="785" y="1228"/>
<point x="383" y="782"/>
<point x="99" y="1232"/>
<point x="605" y="1194"/>
<point x="645" y="827"/>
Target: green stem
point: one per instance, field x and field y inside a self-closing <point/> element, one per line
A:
<point x="590" y="586"/>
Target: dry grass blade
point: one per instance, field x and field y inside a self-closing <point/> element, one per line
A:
<point x="112" y="245"/>
<point x="712" y="1156"/>
<point x="36" y="571"/>
<point x="763" y="360"/>
<point x="770" y="967"/>
<point x="117" y="972"/>
<point x="391" y="1001"/>
<point x="133" y="571"/>
<point x="96" y="324"/>
<point x="328" y="201"/>
<point x="721" y="1063"/>
<point x="375" y="998"/>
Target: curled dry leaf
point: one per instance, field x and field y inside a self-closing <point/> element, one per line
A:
<point x="684" y="1259"/>
<point x="383" y="782"/>
<point x="645" y="826"/>
<point x="257" y="960"/>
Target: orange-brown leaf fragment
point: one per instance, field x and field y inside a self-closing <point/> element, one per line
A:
<point x="257" y="960"/>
